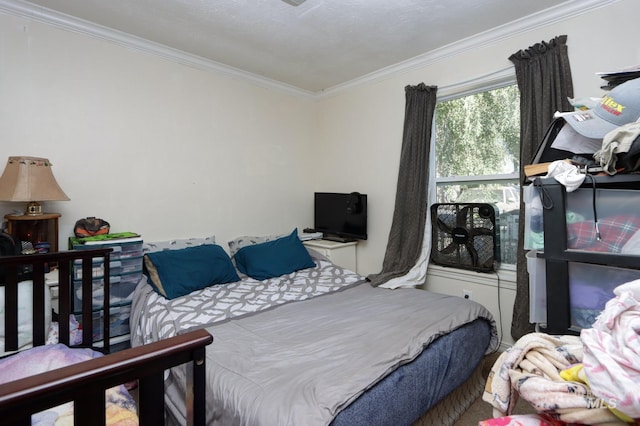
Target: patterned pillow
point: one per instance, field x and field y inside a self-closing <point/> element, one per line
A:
<point x="240" y="242"/>
<point x="178" y="243"/>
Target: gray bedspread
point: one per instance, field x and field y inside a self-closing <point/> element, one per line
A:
<point x="301" y="363"/>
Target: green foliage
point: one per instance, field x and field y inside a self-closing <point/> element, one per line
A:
<point x="479" y="134"/>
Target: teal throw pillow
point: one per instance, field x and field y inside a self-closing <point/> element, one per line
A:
<point x="174" y="273"/>
<point x="274" y="258"/>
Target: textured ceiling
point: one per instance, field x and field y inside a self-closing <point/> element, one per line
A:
<point x="315" y="46"/>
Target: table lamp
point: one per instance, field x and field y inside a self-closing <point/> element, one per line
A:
<point x="30" y="179"/>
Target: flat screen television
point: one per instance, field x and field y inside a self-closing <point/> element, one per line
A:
<point x="341" y="216"/>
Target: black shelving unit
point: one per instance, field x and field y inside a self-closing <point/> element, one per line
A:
<point x="558" y="257"/>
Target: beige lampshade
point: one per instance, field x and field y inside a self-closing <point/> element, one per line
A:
<point x="30" y="179"/>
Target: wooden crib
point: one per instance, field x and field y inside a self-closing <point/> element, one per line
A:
<point x="85" y="383"/>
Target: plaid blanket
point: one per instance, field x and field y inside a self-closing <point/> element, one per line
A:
<point x="615" y="231"/>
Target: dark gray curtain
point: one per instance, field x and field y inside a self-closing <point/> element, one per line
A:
<point x="544" y="80"/>
<point x="410" y="212"/>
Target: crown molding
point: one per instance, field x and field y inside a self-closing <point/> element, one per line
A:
<point x="42" y="14"/>
<point x="547" y="17"/>
<point x="541" y="19"/>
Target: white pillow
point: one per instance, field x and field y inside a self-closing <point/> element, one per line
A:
<point x="25" y="314"/>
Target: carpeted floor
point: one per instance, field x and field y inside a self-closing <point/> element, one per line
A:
<point x="481" y="410"/>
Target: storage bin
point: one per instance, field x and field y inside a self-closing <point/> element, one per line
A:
<point x="118" y="322"/>
<point x="97" y="268"/>
<point x="533" y="218"/>
<point x="591" y="287"/>
<point x="119" y="250"/>
<point x="618" y="220"/>
<point x="537" y="288"/>
<point x="116" y="267"/>
<point x="126" y="250"/>
<point x="130" y="265"/>
<point x="120" y="292"/>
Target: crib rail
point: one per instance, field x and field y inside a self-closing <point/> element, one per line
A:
<point x="85" y="383"/>
<point x="37" y="264"/>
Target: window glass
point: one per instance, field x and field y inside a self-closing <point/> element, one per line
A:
<point x="477" y="157"/>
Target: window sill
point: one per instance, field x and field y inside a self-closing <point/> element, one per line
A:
<point x="503" y="277"/>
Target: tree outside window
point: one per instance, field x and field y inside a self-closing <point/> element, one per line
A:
<point x="477" y="156"/>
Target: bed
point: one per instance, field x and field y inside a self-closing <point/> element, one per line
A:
<point x="299" y="340"/>
<point x="81" y="372"/>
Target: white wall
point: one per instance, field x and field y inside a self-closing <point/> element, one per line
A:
<point x="367" y="121"/>
<point x="168" y="150"/>
<point x="150" y="145"/>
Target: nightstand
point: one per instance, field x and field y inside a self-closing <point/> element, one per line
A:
<point x="342" y="254"/>
<point x="35" y="229"/>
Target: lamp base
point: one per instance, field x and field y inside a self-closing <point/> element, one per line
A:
<point x="33" y="209"/>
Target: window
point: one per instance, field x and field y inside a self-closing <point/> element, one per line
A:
<point x="477" y="156"/>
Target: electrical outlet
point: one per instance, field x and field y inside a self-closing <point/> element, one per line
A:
<point x="467" y="294"/>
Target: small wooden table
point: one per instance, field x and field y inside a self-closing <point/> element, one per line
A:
<point x="35" y="229"/>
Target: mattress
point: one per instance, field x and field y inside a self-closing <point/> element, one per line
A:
<point x="305" y="347"/>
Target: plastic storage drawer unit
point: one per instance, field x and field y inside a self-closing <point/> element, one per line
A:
<point x="125" y="271"/>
